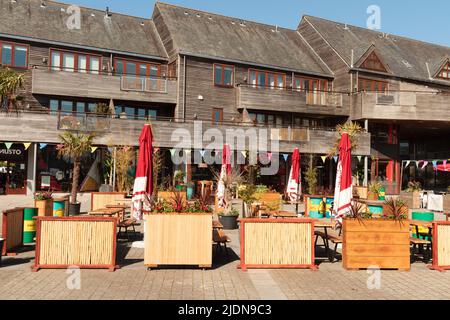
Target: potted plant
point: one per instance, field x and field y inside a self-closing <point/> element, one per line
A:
<point x="178" y="180"/>
<point x="374" y="190"/>
<point x="228" y="218"/>
<point x="247" y="193"/>
<point x="75" y="146"/>
<point x="381" y="242"/>
<point x="43" y="200"/>
<point x="178" y="232"/>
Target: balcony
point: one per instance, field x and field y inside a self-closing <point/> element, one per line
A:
<point x="33" y="126"/>
<point x="103" y="86"/>
<point x="420" y="106"/>
<point x="292" y="100"/>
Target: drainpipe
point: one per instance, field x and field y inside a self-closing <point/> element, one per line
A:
<point x="366" y="158"/>
<point x="184" y="88"/>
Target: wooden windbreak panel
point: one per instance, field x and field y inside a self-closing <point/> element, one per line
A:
<point x="376" y="243"/>
<point x="12" y="229"/>
<point x="277" y="243"/>
<point x="178" y="239"/>
<point x="100" y="200"/>
<point x="441" y="246"/>
<point x="84" y="242"/>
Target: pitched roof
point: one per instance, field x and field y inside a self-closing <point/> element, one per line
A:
<point x="405" y="58"/>
<point x="121" y="33"/>
<point x="210" y="35"/>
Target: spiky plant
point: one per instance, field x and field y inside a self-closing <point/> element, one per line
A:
<point x="395" y="209"/>
<point x="74" y="147"/>
<point x="10" y="83"/>
<point x="353" y="129"/>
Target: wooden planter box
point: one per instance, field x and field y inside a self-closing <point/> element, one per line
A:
<point x="441" y="246"/>
<point x="376" y="243"/>
<point x="45" y="207"/>
<point x="178" y="239"/>
<point x="360" y="192"/>
<point x="12" y="230"/>
<point x="84" y="242"/>
<point x="412" y="199"/>
<point x="100" y="200"/>
<point x="277" y="243"/>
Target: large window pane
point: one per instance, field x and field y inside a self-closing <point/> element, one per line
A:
<point x="141" y="113"/>
<point x="66" y="106"/>
<point x="82" y="64"/>
<point x="54" y="105"/>
<point x="80" y="107"/>
<point x="154" y="70"/>
<point x="131" y="68"/>
<point x="142" y="70"/>
<point x="261" y="79"/>
<point x="271" y="80"/>
<point x="253" y="77"/>
<point x="68" y="62"/>
<point x="20" y="56"/>
<point x="280" y="81"/>
<point x="261" y="118"/>
<point x="119" y="67"/>
<point x="56" y="60"/>
<point x="7" y="54"/>
<point x="152" y="113"/>
<point x="228" y="77"/>
<point x="92" y="107"/>
<point x="218" y="75"/>
<point x="129" y="112"/>
<point x="95" y="65"/>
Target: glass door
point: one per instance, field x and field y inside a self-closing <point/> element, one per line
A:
<point x="16" y="178"/>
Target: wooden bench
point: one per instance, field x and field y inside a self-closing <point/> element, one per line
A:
<point x="335" y="239"/>
<point x="220" y="238"/>
<point x="420" y="243"/>
<point x="127" y="224"/>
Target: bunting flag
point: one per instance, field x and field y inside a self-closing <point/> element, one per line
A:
<point x="156" y="150"/>
<point x="359" y="158"/>
<point x="8" y="145"/>
<point x="172" y="152"/>
<point x="425" y="163"/>
<point x="27" y="145"/>
<point x="407" y="164"/>
<point x="445" y="164"/>
<point x="335" y="158"/>
<point x="110" y="149"/>
<point x="93" y="149"/>
<point x="285" y="156"/>
<point x="187" y="152"/>
<point x="324" y="158"/>
<point x="269" y="156"/>
<point x="42" y="145"/>
<point x="244" y="154"/>
<point x="417" y="164"/>
<point x="434" y="164"/>
<point x="202" y="153"/>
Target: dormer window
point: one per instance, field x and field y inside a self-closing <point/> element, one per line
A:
<point x="445" y="72"/>
<point x="373" y="63"/>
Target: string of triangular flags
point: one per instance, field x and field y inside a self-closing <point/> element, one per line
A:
<point x="422" y="164"/>
<point x="26" y="145"/>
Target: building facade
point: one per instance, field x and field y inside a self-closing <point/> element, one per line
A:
<point x="191" y="71"/>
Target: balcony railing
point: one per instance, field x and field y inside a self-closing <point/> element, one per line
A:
<point x="143" y="84"/>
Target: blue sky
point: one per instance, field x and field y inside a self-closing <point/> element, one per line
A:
<point x="422" y="20"/>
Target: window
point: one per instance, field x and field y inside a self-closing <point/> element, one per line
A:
<point x="172" y="70"/>
<point x="315" y="89"/>
<point x="137" y="68"/>
<point x="223" y="75"/>
<point x="131" y="112"/>
<point x="74" y="62"/>
<point x="14" y="55"/>
<point x="217" y="115"/>
<point x="370" y="85"/>
<point x="373" y="63"/>
<point x="445" y="73"/>
<point x="260" y="78"/>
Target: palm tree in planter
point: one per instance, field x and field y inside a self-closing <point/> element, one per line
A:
<point x="74" y="147"/>
<point x="10" y="83"/>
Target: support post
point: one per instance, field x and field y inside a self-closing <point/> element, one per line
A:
<point x="366" y="159"/>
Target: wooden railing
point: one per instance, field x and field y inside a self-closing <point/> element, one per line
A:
<point x="441" y="246"/>
<point x="12" y="230"/>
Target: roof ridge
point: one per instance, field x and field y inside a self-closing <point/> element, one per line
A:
<point x="380" y="32"/>
<point x="90" y="8"/>
<point x="223" y="15"/>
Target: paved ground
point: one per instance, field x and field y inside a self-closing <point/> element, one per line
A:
<point x="224" y="281"/>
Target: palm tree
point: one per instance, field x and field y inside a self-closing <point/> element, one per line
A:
<point x="74" y="147"/>
<point x="10" y="83"/>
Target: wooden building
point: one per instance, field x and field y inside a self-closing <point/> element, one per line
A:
<point x="185" y="66"/>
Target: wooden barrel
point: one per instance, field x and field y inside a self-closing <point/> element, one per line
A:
<point x="328" y="203"/>
<point x="422" y="216"/>
<point x="314" y="207"/>
<point x="59" y="207"/>
<point x="29" y="225"/>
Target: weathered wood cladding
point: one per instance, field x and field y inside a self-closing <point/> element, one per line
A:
<point x="320" y="103"/>
<point x="96" y="86"/>
<point x="405" y="106"/>
<point x="164" y="34"/>
<point x="42" y="127"/>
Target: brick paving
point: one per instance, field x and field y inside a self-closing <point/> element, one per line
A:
<point x="223" y="281"/>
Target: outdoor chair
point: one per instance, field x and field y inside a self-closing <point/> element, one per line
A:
<point x="220" y="239"/>
<point x="327" y="238"/>
<point x="421" y="246"/>
<point x="126" y="225"/>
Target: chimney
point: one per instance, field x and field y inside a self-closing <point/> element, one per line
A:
<point x="108" y="13"/>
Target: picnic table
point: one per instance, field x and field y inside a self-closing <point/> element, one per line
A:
<point x="284" y="214"/>
<point x="108" y="212"/>
<point x="327" y="224"/>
